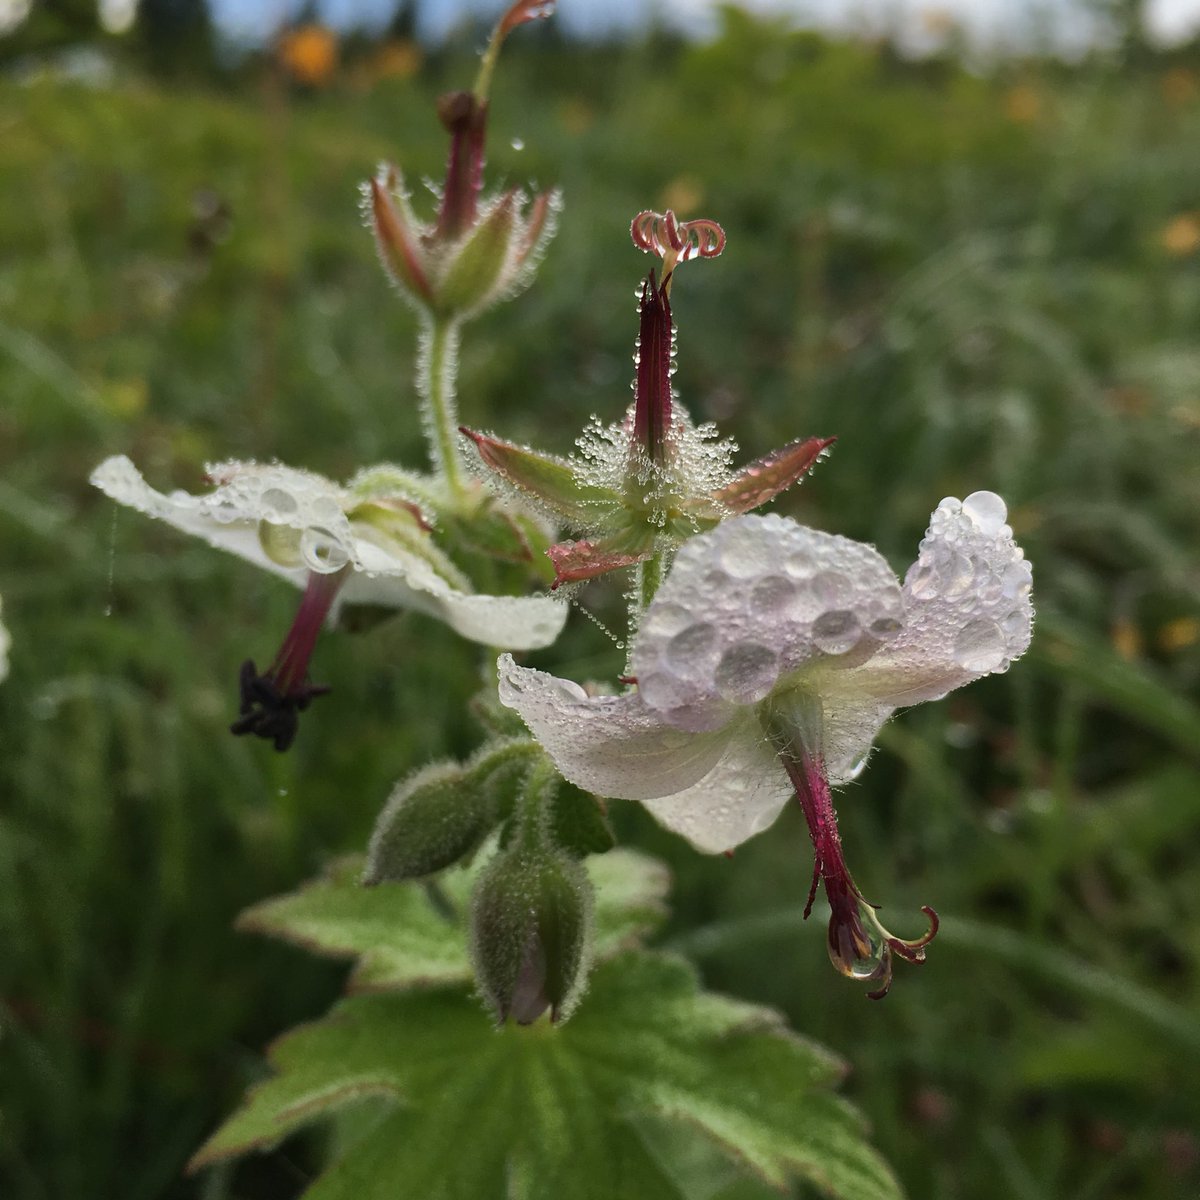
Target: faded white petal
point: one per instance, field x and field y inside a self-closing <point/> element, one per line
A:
<point x="611" y="745"/>
<point x="741" y="796"/>
<point x="291" y="522"/>
<point x="752" y="603"/>
<point x="399" y="579"/>
<point x="967" y="610"/>
<point x="230" y="516"/>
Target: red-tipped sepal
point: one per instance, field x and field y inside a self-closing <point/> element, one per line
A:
<point x="576" y="561"/>
<point x="396" y="238"/>
<point x="546" y="478"/>
<point x="766" y="477"/>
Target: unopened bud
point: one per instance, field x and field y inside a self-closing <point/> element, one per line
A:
<point x="530" y="926"/>
<point x="440" y="815"/>
<point x="482" y="264"/>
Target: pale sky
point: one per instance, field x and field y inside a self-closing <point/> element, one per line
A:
<point x="990" y="22"/>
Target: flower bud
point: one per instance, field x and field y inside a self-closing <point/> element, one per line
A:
<point x="441" y="814"/>
<point x="530" y="929"/>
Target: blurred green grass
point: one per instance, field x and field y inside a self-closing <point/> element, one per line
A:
<point x="975" y="282"/>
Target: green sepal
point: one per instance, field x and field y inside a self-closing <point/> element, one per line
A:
<point x="549" y="479"/>
<point x="579" y="822"/>
<point x="482" y="261"/>
<point x="440" y="815"/>
<point x="403" y="939"/>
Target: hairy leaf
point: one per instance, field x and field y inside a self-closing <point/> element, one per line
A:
<point x="569" y="1113"/>
<point x="407" y="936"/>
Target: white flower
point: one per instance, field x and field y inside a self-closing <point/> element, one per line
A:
<point x="766" y="665"/>
<point x="340" y="545"/>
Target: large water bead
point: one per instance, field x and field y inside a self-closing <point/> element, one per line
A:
<point x="987" y="511"/>
<point x="278" y="504"/>
<point x="981" y="646"/>
<point x="836" y="631"/>
<point x="322" y="550"/>
<point x="747" y="673"/>
<point x="692" y="653"/>
<point x="281" y="544"/>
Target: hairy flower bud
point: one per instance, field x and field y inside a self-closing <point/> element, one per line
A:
<point x="441" y="814"/>
<point x="530" y="929"/>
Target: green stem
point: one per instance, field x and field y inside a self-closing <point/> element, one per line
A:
<point x="533" y="804"/>
<point x="437" y="372"/>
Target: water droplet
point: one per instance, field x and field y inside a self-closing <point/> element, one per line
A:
<point x="836" y="631"/>
<point x="980" y="646"/>
<point x="517" y="143"/>
<point x="322" y="551"/>
<point x="987" y="511"/>
<point x="747" y="673"/>
<point x="690" y="652"/>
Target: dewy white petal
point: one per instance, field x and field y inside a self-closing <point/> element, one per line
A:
<point x="5" y="642"/>
<point x="611" y="745"/>
<point x="967" y="609"/>
<point x="752" y="603"/>
<point x="398" y="579"/>
<point x="741" y="796"/>
<point x="220" y="523"/>
<point x="250" y="500"/>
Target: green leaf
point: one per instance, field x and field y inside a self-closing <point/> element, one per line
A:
<point x="579" y="822"/>
<point x="407" y="936"/>
<point x="557" y="1113"/>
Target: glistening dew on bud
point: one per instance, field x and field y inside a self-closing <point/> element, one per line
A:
<point x="640" y="488"/>
<point x="764" y="668"/>
<point x="530" y="926"/>
<point x="478" y="249"/>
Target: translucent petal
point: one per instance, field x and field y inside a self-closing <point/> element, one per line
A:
<point x="250" y="498"/>
<point x="741" y="796"/>
<point x="611" y="745"/>
<point x="753" y="603"/>
<point x="967" y="609"/>
<point x="230" y="516"/>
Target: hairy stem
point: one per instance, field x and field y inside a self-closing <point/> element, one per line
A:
<point x="437" y="372"/>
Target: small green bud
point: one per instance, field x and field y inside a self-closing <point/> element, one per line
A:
<point x="430" y="822"/>
<point x="531" y="917"/>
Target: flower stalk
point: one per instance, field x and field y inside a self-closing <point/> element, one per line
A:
<point x="437" y="370"/>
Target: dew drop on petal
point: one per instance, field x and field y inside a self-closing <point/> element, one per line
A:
<point x="772" y="596"/>
<point x="980" y="646"/>
<point x="747" y="672"/>
<point x="744" y="557"/>
<point x="690" y="652"/>
<point x="278" y="504"/>
<point x="664" y="620"/>
<point x="321" y="551"/>
<point x="836" y="631"/>
<point x="987" y="510"/>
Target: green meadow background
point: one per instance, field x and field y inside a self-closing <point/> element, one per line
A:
<point x="976" y="280"/>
